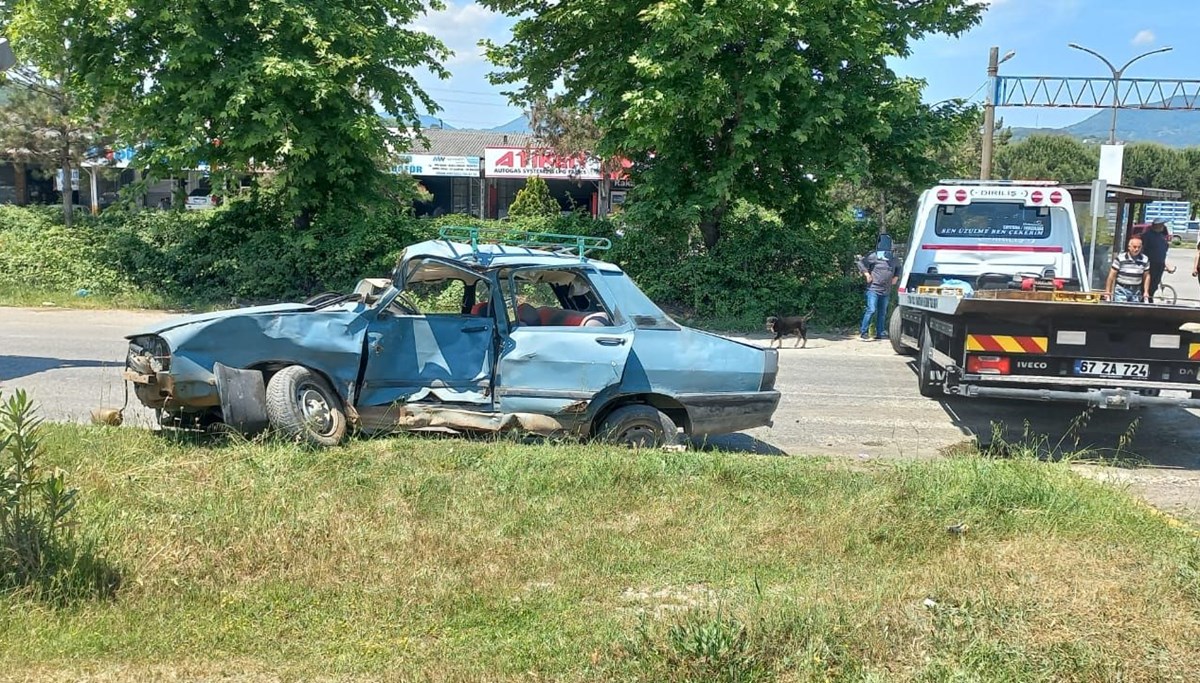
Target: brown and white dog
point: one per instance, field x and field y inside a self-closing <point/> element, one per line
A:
<point x="785" y="325"/>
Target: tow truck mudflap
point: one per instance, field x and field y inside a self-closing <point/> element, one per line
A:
<point x="1118" y="399"/>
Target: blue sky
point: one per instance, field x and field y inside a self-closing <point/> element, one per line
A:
<point x="1037" y="30"/>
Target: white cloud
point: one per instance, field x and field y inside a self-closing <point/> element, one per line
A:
<point x="461" y="26"/>
<point x="1144" y="37"/>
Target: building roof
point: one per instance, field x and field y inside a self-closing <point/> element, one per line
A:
<point x="468" y="143"/>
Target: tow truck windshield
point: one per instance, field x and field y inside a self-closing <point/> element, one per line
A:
<point x="993" y="221"/>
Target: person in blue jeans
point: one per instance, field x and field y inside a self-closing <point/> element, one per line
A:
<point x="879" y="268"/>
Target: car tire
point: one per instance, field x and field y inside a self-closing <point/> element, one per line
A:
<point x="639" y="426"/>
<point x="895" y="329"/>
<point x="303" y="407"/>
<point x="926" y="384"/>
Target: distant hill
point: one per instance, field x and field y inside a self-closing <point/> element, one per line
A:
<point x="517" y="125"/>
<point x="1171" y="128"/>
<point x="434" y="122"/>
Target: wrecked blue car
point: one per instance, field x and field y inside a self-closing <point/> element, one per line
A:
<point x="524" y="334"/>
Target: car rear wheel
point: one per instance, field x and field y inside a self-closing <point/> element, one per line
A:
<point x="303" y="407"/>
<point x="639" y="426"/>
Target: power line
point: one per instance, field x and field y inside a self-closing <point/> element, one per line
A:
<point x="476" y="103"/>
<point x="466" y="92"/>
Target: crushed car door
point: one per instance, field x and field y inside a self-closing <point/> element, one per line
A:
<point x="564" y="345"/>
<point x="426" y="344"/>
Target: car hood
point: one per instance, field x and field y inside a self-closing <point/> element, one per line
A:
<point x="186" y="320"/>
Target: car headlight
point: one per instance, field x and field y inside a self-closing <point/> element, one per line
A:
<point x="149" y="354"/>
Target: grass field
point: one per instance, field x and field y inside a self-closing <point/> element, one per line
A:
<point x="451" y="560"/>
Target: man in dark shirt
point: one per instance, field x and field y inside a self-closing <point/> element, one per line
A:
<point x="879" y="269"/>
<point x="1155" y="245"/>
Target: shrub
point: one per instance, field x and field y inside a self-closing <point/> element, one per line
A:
<point x="35" y="505"/>
<point x="40" y="549"/>
<point x="37" y="252"/>
<point x="534" y="200"/>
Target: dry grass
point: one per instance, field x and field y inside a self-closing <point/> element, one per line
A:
<point x="452" y="560"/>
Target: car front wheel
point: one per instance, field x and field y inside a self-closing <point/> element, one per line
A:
<point x="639" y="426"/>
<point x="303" y="407"/>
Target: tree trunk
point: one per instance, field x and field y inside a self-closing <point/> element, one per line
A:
<point x="67" y="195"/>
<point x="710" y="226"/>
<point x="21" y="182"/>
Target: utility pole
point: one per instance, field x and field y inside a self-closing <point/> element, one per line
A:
<point x="989" y="110"/>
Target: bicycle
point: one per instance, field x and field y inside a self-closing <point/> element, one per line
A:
<point x="1165" y="295"/>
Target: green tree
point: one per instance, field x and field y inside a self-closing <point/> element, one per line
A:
<point x="1149" y="164"/>
<point x="534" y="200"/>
<point x="768" y="102"/>
<point x="889" y="195"/>
<point x="1191" y="188"/>
<point x="47" y="119"/>
<point x="289" y="86"/>
<point x="1048" y="157"/>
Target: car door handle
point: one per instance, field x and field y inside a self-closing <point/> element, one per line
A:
<point x="610" y="341"/>
<point x="479" y="328"/>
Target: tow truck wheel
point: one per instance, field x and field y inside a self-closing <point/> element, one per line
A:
<point x="926" y="384"/>
<point x="639" y="426"/>
<point x="303" y="407"/>
<point x="894" y="332"/>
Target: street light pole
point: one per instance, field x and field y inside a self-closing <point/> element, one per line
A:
<point x="989" y="111"/>
<point x="1116" y="76"/>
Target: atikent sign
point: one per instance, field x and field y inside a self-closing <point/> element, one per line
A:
<point x="518" y="162"/>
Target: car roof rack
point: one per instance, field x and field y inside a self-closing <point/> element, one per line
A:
<point x="977" y="181"/>
<point x="566" y="245"/>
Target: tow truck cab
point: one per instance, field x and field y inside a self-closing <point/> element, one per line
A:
<point x="988" y="234"/>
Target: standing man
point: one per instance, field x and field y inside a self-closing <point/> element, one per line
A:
<point x="1129" y="279"/>
<point x="1196" y="260"/>
<point x="879" y="270"/>
<point x="1155" y="245"/>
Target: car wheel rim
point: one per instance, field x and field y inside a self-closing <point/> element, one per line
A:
<point x="315" y="408"/>
<point x="639" y="435"/>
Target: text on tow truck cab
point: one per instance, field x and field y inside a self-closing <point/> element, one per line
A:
<point x="1030" y="196"/>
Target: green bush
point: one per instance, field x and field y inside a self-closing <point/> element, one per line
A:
<point x="38" y="547"/>
<point x="249" y="250"/>
<point x="534" y="200"/>
<point x="38" y="252"/>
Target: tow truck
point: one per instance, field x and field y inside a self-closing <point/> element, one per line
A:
<point x="994" y="301"/>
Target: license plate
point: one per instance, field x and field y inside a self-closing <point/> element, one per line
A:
<point x="1108" y="368"/>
